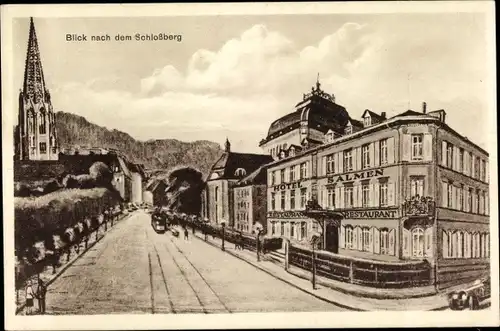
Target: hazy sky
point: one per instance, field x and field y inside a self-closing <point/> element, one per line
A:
<point x="232" y="76"/>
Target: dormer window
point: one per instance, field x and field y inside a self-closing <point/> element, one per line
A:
<point x="282" y="154"/>
<point x="240" y="172"/>
<point x="367" y="121"/>
<point x="292" y="151"/>
<point x="329" y="136"/>
<point x="348" y="128"/>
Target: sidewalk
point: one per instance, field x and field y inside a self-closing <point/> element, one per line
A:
<point x="49" y="277"/>
<point x="300" y="279"/>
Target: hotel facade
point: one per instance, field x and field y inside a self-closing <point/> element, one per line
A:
<point x="400" y="189"/>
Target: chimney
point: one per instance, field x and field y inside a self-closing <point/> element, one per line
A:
<point x="424" y="107"/>
<point x="383" y="114"/>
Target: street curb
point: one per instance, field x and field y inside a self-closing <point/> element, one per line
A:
<point x="70" y="263"/>
<point x="284" y="280"/>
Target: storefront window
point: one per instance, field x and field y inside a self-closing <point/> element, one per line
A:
<point x="366" y="239"/>
<point x="384" y="241"/>
<point x="303" y="230"/>
<point x="417" y="242"/>
<point x="349" y="234"/>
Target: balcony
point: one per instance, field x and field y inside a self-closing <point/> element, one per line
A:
<point x="419" y="207"/>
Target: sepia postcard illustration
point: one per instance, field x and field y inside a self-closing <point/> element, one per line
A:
<point x="308" y="165"/>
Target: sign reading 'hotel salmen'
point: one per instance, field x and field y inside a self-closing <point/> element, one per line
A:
<point x="354" y="176"/>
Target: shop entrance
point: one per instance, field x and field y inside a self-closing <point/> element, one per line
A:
<point x="331" y="237"/>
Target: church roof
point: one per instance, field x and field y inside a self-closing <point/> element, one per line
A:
<point x="229" y="162"/>
<point x="259" y="176"/>
<point x="34" y="83"/>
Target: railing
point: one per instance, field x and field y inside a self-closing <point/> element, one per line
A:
<point x="419" y="206"/>
<point x="247" y="241"/>
<point x="357" y="271"/>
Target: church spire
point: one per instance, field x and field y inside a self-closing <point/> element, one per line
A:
<point x="34" y="83"/>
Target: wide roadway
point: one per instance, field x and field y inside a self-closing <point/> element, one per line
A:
<point x="135" y="270"/>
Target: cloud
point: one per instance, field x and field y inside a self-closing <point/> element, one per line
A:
<point x="239" y="89"/>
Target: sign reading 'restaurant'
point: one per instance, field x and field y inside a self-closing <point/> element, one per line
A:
<point x="357" y="175"/>
<point x="370" y="214"/>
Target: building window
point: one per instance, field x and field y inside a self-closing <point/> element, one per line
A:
<point x="42" y="127"/>
<point x="483" y="170"/>
<point x="477" y="162"/>
<point x="348" y="160"/>
<point x="303" y="197"/>
<point x="292" y="230"/>
<point x="366" y="239"/>
<point x="348" y="129"/>
<point x="273" y="201"/>
<point x="303" y="230"/>
<point x="461" y="198"/>
<point x="43" y="148"/>
<point x="417" y="242"/>
<point x="470" y="200"/>
<point x="282" y="175"/>
<point x="384" y="241"/>
<point x="282" y="228"/>
<point x="383" y="194"/>
<point x="348" y="196"/>
<point x="416" y="187"/>
<point x="450" y="195"/>
<point x="331" y="197"/>
<point x="293" y="170"/>
<point x="303" y="170"/>
<point x="273" y="177"/>
<point x="365" y="199"/>
<point x="330" y="164"/>
<point x="461" y="160"/>
<point x="292" y="199"/>
<point x="349" y="234"/>
<point x="365" y="160"/>
<point x="417" y="147"/>
<point x="367" y="121"/>
<point x="449" y="155"/>
<point x="384" y="155"/>
<point x="282" y="200"/>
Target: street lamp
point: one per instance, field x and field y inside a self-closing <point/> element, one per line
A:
<point x="205" y="227"/>
<point x="258" y="228"/>
<point x="314" y="238"/>
<point x="223" y="224"/>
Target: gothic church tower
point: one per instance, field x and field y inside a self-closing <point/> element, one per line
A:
<point x="36" y="137"/>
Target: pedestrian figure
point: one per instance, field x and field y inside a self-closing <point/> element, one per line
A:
<point x="186" y="234"/>
<point x="30" y="294"/>
<point x="41" y="292"/>
<point x="241" y="240"/>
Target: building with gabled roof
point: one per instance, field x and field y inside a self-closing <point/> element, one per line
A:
<point x="217" y="197"/>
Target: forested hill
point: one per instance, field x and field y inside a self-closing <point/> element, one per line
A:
<point x="163" y="154"/>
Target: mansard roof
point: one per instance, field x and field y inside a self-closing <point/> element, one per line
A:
<point x="229" y="162"/>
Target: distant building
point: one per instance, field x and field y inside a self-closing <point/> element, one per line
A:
<point x="154" y="193"/>
<point x="306" y="126"/>
<point x="35" y="134"/>
<point x="217" y="198"/>
<point x="250" y="201"/>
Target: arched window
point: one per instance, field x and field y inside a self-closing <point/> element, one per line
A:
<point x="43" y="121"/>
<point x="417" y="242"/>
<point x="460" y="244"/>
<point x="31" y="122"/>
<point x="240" y="172"/>
<point x="384" y="241"/>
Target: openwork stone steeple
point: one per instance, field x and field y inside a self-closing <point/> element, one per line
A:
<point x="34" y="82"/>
